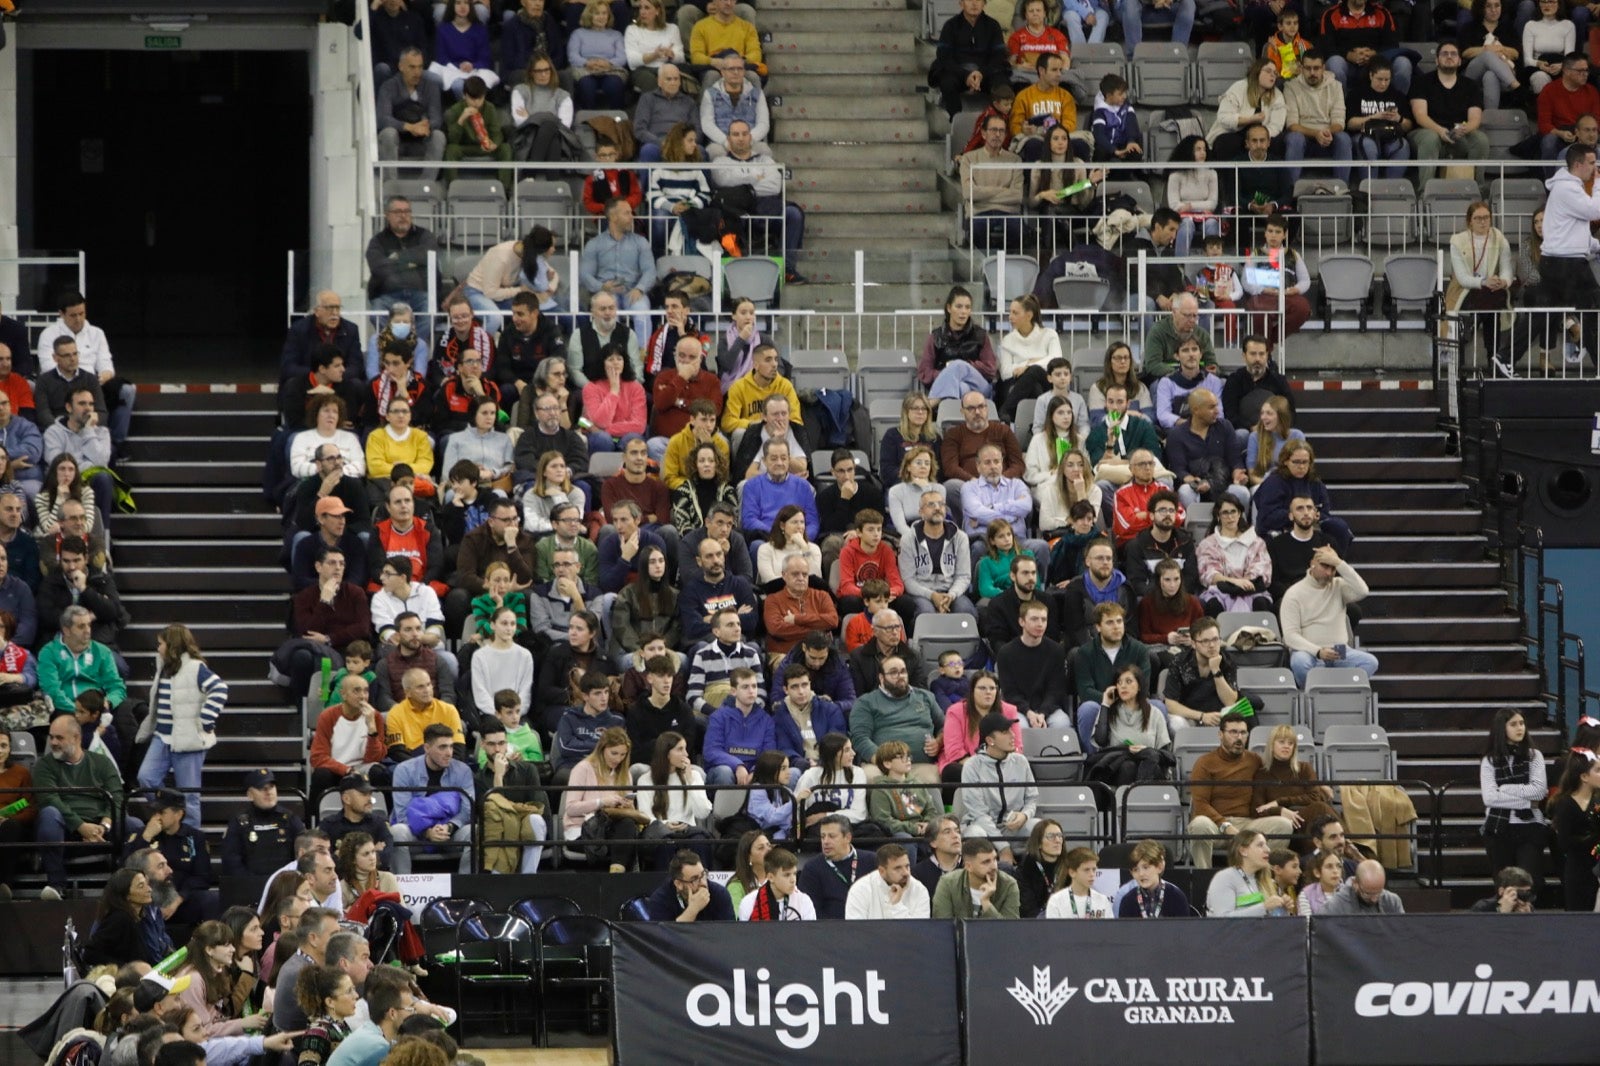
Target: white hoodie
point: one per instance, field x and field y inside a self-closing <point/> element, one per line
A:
<point x="1567" y="214"/>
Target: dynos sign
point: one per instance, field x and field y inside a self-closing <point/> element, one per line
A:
<point x="780" y="992"/>
<point x="1462" y="989"/>
<point x="1201" y="991"/>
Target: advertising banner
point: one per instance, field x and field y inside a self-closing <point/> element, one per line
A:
<point x="791" y="992"/>
<point x="1199" y="990"/>
<point x="1456" y="988"/>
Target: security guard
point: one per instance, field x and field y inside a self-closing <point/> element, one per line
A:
<point x="186" y="852"/>
<point x="260" y="840"/>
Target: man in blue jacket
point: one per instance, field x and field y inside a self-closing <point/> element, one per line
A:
<point x="763" y="496"/>
<point x="425" y="814"/>
<point x="714" y="589"/>
<point x="827" y="667"/>
<point x="800" y="718"/>
<point x="688" y="895"/>
<point x="738" y="732"/>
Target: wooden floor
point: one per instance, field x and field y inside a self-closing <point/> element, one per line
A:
<point x="547" y="1057"/>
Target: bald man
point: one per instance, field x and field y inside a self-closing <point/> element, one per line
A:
<point x="325" y="324"/>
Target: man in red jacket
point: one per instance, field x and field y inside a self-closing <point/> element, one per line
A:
<point x="673" y="393"/>
<point x="1563" y="103"/>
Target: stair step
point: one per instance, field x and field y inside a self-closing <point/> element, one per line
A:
<point x="1363" y="398"/>
<point x="1388" y="468"/>
<point x="1394" y="549"/>
<point x="1375" y="519"/>
<point x="1438" y="603"/>
<point x="235" y="636"/>
<point x="190" y="579"/>
<point x="851" y="152"/>
<point x="907" y="202"/>
<point x="1377" y="631"/>
<point x="203" y="499"/>
<point x="1462" y="658"/>
<point x="242" y="402"/>
<point x="1317" y="422"/>
<point x="138" y="554"/>
<point x="812" y="107"/>
<point x="230" y="664"/>
<point x="795" y="86"/>
<point x="1472" y="716"/>
<point x="902" y="269"/>
<point x="142" y="473"/>
<point x="229" y="607"/>
<point x="1442" y="743"/>
<point x="204" y="421"/>
<point x="1366" y="495"/>
<point x="930" y="250"/>
<point x="1434" y="575"/>
<point x="884" y="297"/>
<point x="255" y="692"/>
<point x="827" y="61"/>
<point x="146" y="524"/>
<point x="829" y="8"/>
<point x="239" y="449"/>
<point x="870" y="228"/>
<point x="1332" y="445"/>
<point x="785" y="26"/>
<point x="885" y="41"/>
<point x="1519" y="686"/>
<point x="256" y="751"/>
<point x="837" y="179"/>
<point x="866" y="131"/>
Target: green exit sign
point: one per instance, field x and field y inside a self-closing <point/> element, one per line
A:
<point x="163" y="40"/>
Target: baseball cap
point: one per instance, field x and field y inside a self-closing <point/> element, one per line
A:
<point x="331" y="505"/>
<point x="355" y="781"/>
<point x="259" y="779"/>
<point x="153" y="988"/>
<point x="992" y="724"/>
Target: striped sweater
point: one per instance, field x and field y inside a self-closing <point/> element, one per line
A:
<point x="186" y="705"/>
<point x="709" y="671"/>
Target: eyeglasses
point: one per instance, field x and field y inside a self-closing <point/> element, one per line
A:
<point x="1143" y="462"/>
<point x="895" y="673"/>
<point x="1052" y="836"/>
<point x="975" y="407"/>
<point x="691" y="882"/>
<point x="891" y="626"/>
<point x="1164" y="510"/>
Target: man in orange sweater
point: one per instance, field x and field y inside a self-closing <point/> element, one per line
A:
<point x="1225" y="810"/>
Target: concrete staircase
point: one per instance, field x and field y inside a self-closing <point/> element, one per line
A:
<point x="852" y="129"/>
<point x="1437" y="619"/>
<point x="203" y="550"/>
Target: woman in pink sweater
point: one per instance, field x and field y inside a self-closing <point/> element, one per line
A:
<point x="616" y="406"/>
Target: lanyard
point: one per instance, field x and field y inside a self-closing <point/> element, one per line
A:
<point x="1150" y="902"/>
<point x="835" y="868"/>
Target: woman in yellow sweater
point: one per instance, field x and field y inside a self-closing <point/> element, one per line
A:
<point x="397" y="441"/>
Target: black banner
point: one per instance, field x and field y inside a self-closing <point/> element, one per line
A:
<point x="1461" y="989"/>
<point x="1134" y="992"/>
<point x="791" y="992"/>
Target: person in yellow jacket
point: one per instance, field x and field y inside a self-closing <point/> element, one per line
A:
<point x="1045" y="99"/>
<point x="747" y="396"/>
<point x="702" y="428"/>
<point x="721" y="32"/>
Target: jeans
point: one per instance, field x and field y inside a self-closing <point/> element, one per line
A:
<point x="1299" y="146"/>
<point x="650" y="153"/>
<point x="1089" y="711"/>
<point x="1240" y="493"/>
<point x="1493" y="73"/>
<point x="488" y="310"/>
<point x="1398" y="149"/>
<point x="185" y="767"/>
<point x="601" y="92"/>
<point x="1134" y="14"/>
<point x="722" y="776"/>
<point x="962" y="605"/>
<point x="994" y="230"/>
<point x="1301" y="663"/>
<point x="1074" y="27"/>
<point x="532" y="853"/>
<point x="402" y="855"/>
<point x="1339" y="67"/>
<point x="52" y="832"/>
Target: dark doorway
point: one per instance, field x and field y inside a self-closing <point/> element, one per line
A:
<point x="185" y="177"/>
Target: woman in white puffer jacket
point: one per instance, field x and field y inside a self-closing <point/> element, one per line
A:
<point x="186" y="698"/>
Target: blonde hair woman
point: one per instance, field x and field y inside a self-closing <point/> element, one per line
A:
<point x="552" y="486"/>
<point x="605" y="818"/>
<point x="917" y="425"/>
<point x="650" y="42"/>
<point x="1283" y="788"/>
<point x="1273" y="429"/>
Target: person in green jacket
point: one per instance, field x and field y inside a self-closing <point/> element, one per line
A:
<point x="896" y="710"/>
<point x="89" y="817"/>
<point x="980" y="889"/>
<point x="472" y="130"/>
<point x="73" y="663"/>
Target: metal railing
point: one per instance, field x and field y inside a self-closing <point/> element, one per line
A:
<point x="13" y="294"/>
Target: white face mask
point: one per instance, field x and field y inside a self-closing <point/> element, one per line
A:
<point x="401" y="330"/>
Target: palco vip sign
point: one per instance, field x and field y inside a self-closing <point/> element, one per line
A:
<point x="787" y="992"/>
<point x="1202" y="991"/>
<point x="1462" y="989"/>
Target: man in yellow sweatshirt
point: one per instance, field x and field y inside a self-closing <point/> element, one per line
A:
<point x="1045" y="99"/>
<point x="747" y="397"/>
<point x="720" y="32"/>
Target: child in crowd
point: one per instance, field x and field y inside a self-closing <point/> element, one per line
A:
<point x="1001" y="97"/>
<point x="1286" y="46"/>
<point x="95" y="719"/>
<point x="1077" y="898"/>
<point x="778" y="900"/>
<point x="1285" y="866"/>
<point x="1115" y="126"/>
<point x="875" y="595"/>
<point x="523" y="739"/>
<point x="951" y="684"/>
<point x="994" y="565"/>
<point x="606" y="183"/>
<point x="1218" y="288"/>
<point x="358" y="661"/>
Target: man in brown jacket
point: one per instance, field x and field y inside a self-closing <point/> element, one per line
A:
<point x="1225" y="810"/>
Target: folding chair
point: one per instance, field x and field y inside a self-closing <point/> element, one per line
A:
<point x="1346" y="283"/>
<point x="1338" y="696"/>
<point x="935" y="634"/>
<point x="1074" y="807"/>
<point x="1275" y="688"/>
<point x="1055" y="755"/>
<point x="1358" y="752"/>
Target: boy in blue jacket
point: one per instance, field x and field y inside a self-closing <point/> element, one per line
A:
<point x="1115" y="126"/>
<point x="737" y="732"/>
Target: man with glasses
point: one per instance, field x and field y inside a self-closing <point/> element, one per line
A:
<point x="896" y="710"/>
<point x="936" y="561"/>
<point x="777" y="423"/>
<point x="547" y="434"/>
<point x="888" y="640"/>
<point x="688" y="895"/>
<point x="674" y="394"/>
<point x="552" y="604"/>
<point x="397" y="256"/>
<point x="567" y="534"/>
<point x="325" y="324"/>
<point x="1448" y="111"/>
<point x="1201" y="681"/>
<point x="1130" y="506"/>
<point x="1316" y="619"/>
<point x="1101" y="582"/>
<point x="1563" y="104"/>
<point x="1165" y="539"/>
<point x="410" y="110"/>
<point x="389" y="1003"/>
<point x="500" y="539"/>
<point x="958" y="454"/>
<point x="1221" y="797"/>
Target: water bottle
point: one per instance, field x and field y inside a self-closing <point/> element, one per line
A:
<point x="69" y="970"/>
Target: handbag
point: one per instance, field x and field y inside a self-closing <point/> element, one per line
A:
<point x="1383" y="130"/>
<point x="592" y="837"/>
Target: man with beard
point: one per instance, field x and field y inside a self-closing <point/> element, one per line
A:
<point x="411" y="651"/>
<point x="1292" y="550"/>
<point x="188" y="887"/>
<point x="1163" y="540"/>
<point x="711" y="590"/>
<point x="1099" y="583"/>
<point x="163" y="901"/>
<point x="1224" y="811"/>
<point x="1000" y="621"/>
<point x="1248" y="387"/>
<point x="1448" y="109"/>
<point x="890" y="891"/>
<point x="356" y="815"/>
<point x="1316" y="620"/>
<point x="896" y="710"/>
<point x="87" y="815"/>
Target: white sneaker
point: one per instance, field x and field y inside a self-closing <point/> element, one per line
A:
<point x="50" y="892"/>
<point x="1574" y="354"/>
<point x="1503" y="368"/>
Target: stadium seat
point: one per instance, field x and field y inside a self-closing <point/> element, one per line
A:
<point x="1162" y="75"/>
<point x="1229" y="622"/>
<point x="1053" y="754"/>
<point x="753" y="277"/>
<point x="1188" y="745"/>
<point x="1346" y="283"/>
<point x="1219" y="64"/>
<point x="1506" y="128"/>
<point x="1075" y="808"/>
<point x="24" y="752"/>
<point x="1338" y="696"/>
<point x="1358" y="752"/>
<point x="1327" y="213"/>
<point x="1275" y="688"/>
<point x="1021" y="272"/>
<point x="886" y="373"/>
<point x="1138" y="190"/>
<point x="604" y="464"/>
<point x="1515" y="201"/>
<point x="1391" y="211"/>
<point x="1411" y="281"/>
<point x="819" y="368"/>
<point x="883" y="413"/>
<point x="1444" y="206"/>
<point x="1153" y="811"/>
<point x="1197" y="518"/>
<point x="477" y="212"/>
<point x="934" y="634"/>
<point x="962" y="124"/>
<point x="1023" y="426"/>
<point x="548" y="204"/>
<point x="1091" y="62"/>
<point x="1081" y="294"/>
